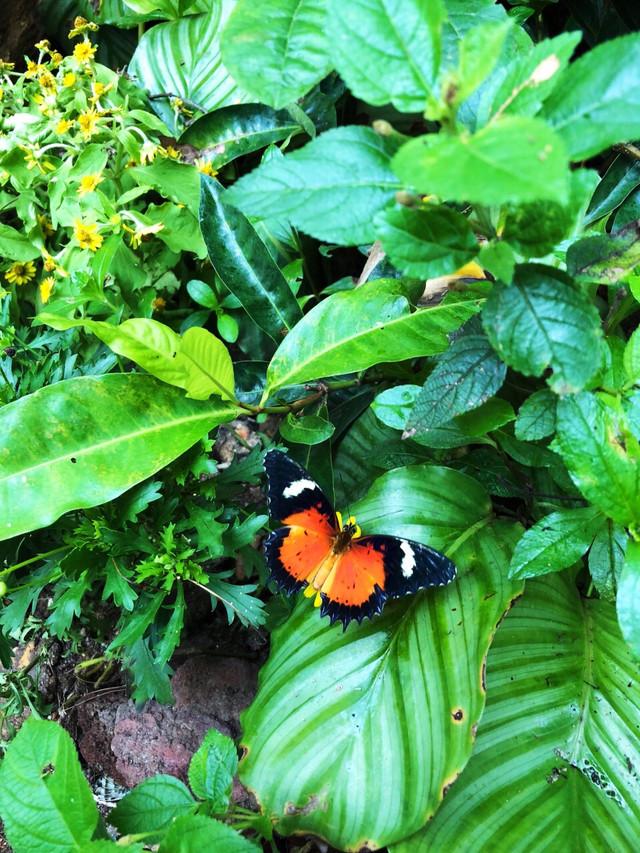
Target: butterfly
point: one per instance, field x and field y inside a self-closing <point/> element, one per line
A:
<point x="350" y="576"/>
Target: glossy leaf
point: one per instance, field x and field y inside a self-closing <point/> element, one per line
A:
<point x="330" y="189"/>
<point x="542" y="320"/>
<point x="83" y="442"/>
<point x="231" y="132"/>
<point x="387" y="51"/>
<point x="594" y="103"/>
<point x="617" y="184"/>
<point x="197" y="833"/>
<point x="152" y="805"/>
<point x="605" y="470"/>
<point x="426" y="242"/>
<point x="45" y="801"/>
<point x="244" y="265"/>
<point x="537" y="416"/>
<point x="181" y="59"/>
<point x="277" y="49"/>
<point x="557" y="747"/>
<point x="513" y="159"/>
<point x="355" y="329"/>
<point x="466" y="375"/>
<point x="309" y="429"/>
<point x="556" y="541"/>
<point x="401" y="738"/>
<point x="628" y="598"/>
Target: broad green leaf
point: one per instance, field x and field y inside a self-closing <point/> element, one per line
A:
<point x="606" y="559"/>
<point x="556" y="541"/>
<point x="169" y="8"/>
<point x="331" y="188"/>
<point x="542" y="320"/>
<point x="355" y="329"/>
<point x="15" y="246"/>
<point x="244" y="265"/>
<point x="554" y="766"/>
<point x="628" y="598"/>
<point x="179" y="182"/>
<point x="603" y="462"/>
<point x="537" y="416"/>
<point x="84" y="441"/>
<point x="594" y="103"/>
<point x="402" y="736"/>
<point x="152" y="805"/>
<point x="197" y="833"/>
<point x="394" y="405"/>
<point x="197" y="362"/>
<point x="513" y="159"/>
<point x="631" y="357"/>
<point x="231" y="132"/>
<point x="619" y="181"/>
<point x="387" y="51"/>
<point x="202" y="293"/>
<point x="466" y="375"/>
<point x="499" y="259"/>
<point x="277" y="49"/>
<point x="212" y="768"/>
<point x="309" y="429"/>
<point x="46" y="803"/>
<point x="605" y="258"/>
<point x="490" y="415"/>
<point x="181" y="60"/>
<point x="478" y="52"/>
<point x="426" y="242"/>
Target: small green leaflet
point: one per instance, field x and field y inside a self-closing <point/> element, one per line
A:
<point x="628" y="598"/>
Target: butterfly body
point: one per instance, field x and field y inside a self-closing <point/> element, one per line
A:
<point x="350" y="576"/>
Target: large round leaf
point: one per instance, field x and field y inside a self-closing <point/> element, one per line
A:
<point x="355" y="736"/>
<point x="82" y="442"/>
<point x="181" y="59"/>
<point x="556" y="763"/>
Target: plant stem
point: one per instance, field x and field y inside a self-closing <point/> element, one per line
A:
<point x="35" y="559"/>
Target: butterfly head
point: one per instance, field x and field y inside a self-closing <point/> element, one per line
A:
<point x="347" y="530"/>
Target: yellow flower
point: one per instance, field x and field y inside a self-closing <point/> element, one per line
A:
<point x="6" y="66"/>
<point x="46" y="226"/>
<point x="1" y="94"/>
<point x="56" y="58"/>
<point x="88" y="183"/>
<point x="44" y="44"/>
<point x="148" y="152"/>
<point x="99" y="89"/>
<point x="69" y="79"/>
<point x="81" y="25"/>
<point x="20" y="273"/>
<point x="63" y="126"/>
<point x="205" y="167"/>
<point x="84" y="51"/>
<point x="47" y="82"/>
<point x="136" y="234"/>
<point x="171" y="152"/>
<point x="158" y="304"/>
<point x="86" y="233"/>
<point x="46" y="286"/>
<point x="88" y="123"/>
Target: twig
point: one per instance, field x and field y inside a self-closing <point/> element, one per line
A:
<point x="376" y="255"/>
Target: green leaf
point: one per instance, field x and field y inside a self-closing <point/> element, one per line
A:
<point x="151" y="680"/>
<point x="330" y="189"/>
<point x="176" y="181"/>
<point x="309" y="429"/>
<point x="421" y="726"/>
<point x="212" y="769"/>
<point x="237" y="598"/>
<point x="617" y="184"/>
<point x="152" y="805"/>
<point x="45" y="801"/>
<point x="537" y="416"/>
<point x="513" y="159"/>
<point x="628" y="598"/>
<point x="393" y="406"/>
<point x="557" y="750"/>
<point x="606" y="559"/>
<point x="354" y="329"/>
<point x="173" y="630"/>
<point x="244" y="265"/>
<point x="499" y="259"/>
<point x="426" y="242"/>
<point x="197" y="833"/>
<point x="67" y="604"/>
<point x="478" y="52"/>
<point x="181" y="59"/>
<point x="542" y="320"/>
<point x="556" y="541"/>
<point x="466" y="375"/>
<point x="83" y="442"/>
<point x="594" y="102"/>
<point x="232" y="132"/>
<point x="605" y="258"/>
<point x="599" y="456"/>
<point x="277" y="50"/>
<point x="387" y="52"/>
<point x="137" y="623"/>
<point x="202" y="293"/>
<point x="631" y="358"/>
<point x="15" y="246"/>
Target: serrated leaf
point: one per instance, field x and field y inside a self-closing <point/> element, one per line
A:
<point x="152" y="806"/>
<point x="197" y="833"/>
<point x="628" y="598"/>
<point x="352" y="330"/>
<point x="331" y="188"/>
<point x="150" y="679"/>
<point x="515" y="159"/>
<point x="555" y="542"/>
<point x="45" y="801"/>
<point x="537" y="416"/>
<point x="309" y="429"/>
<point x="466" y="376"/>
<point x="426" y="242"/>
<point x="594" y="102"/>
<point x="542" y="320"/>
<point x="387" y="51"/>
<point x="237" y="598"/>
<point x="172" y="631"/>
<point x="117" y="587"/>
<point x="277" y="50"/>
<point x="212" y="768"/>
<point x="561" y="722"/>
<point x="601" y="461"/>
<point x="606" y="559"/>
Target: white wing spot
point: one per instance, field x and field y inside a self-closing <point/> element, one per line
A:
<point x="408" y="563"/>
<point x="297" y="487"/>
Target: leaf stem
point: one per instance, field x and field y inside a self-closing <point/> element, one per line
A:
<point x="467" y="534"/>
<point x="31" y="560"/>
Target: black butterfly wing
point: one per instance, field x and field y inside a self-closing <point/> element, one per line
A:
<point x="410" y="566"/>
<point x="292" y="493"/>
